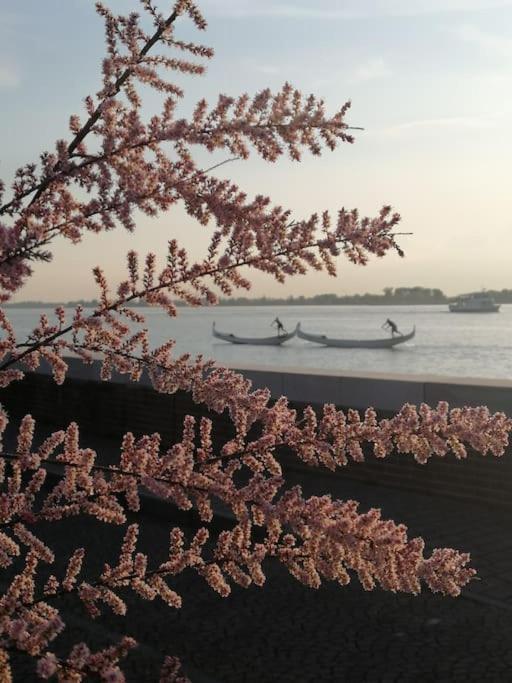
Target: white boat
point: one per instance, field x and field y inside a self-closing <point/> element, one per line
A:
<point x="474" y="303"/>
<point x="386" y="343"/>
<point x="276" y="340"/>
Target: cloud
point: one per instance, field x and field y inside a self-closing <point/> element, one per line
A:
<point x="488" y="42"/>
<point x="371" y="70"/>
<point x="242" y="8"/>
<point x="9" y="76"/>
<point x="10" y="18"/>
<point x="267" y="69"/>
<point x="444" y="122"/>
<point x="417" y="7"/>
<point x="349" y="9"/>
<point x="293" y="12"/>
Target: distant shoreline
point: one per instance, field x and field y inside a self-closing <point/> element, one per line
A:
<point x="401" y="296"/>
<point x="249" y="302"/>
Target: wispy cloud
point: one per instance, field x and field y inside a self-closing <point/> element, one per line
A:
<point x="488" y="42"/>
<point x="349" y="9"/>
<point x="443" y="122"/>
<point x="10" y="17"/>
<point x="267" y="69"/>
<point x="417" y="7"/>
<point x="370" y="70"/>
<point x="264" y="8"/>
<point x="9" y="76"/>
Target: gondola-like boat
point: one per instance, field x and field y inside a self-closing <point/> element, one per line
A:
<point x="385" y="343"/>
<point x="276" y="340"/>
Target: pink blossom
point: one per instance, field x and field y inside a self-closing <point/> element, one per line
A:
<point x="114" y="166"/>
<point x="47" y="666"/>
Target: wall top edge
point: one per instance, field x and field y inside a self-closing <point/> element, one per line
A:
<point x="339" y="374"/>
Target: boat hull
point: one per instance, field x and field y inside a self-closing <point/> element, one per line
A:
<point x="387" y="343"/>
<point x="457" y="309"/>
<point x="276" y="340"/>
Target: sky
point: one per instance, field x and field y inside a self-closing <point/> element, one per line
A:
<point x="430" y="82"/>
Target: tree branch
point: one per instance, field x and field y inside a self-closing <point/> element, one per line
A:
<point x="94" y="117"/>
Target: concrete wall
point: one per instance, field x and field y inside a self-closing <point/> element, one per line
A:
<point x="385" y="392"/>
<point x="111" y="409"/>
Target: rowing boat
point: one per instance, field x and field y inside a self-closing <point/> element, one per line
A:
<point x="276" y="340"/>
<point x="385" y="343"/>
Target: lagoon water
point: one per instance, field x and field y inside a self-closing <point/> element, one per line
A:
<point x="449" y="344"/>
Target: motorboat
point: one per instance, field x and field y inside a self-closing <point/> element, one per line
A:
<point x="474" y="303"/>
<point x="386" y="343"/>
<point x="275" y="340"/>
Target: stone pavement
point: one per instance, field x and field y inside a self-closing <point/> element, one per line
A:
<point x="288" y="633"/>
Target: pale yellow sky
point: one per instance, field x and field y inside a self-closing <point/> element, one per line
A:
<point x="431" y="84"/>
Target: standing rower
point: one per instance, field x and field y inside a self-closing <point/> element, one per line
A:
<point x="389" y="324"/>
<point x="279" y="325"/>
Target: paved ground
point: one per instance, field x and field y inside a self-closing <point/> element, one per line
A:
<point x="287" y="633"/>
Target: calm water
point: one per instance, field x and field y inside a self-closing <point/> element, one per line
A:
<point x="469" y="345"/>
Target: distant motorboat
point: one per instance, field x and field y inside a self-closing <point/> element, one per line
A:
<point x="275" y="340"/>
<point x="474" y="303"/>
<point x="385" y="343"/>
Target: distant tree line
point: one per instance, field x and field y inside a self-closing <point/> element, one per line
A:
<point x="400" y="295"/>
<point x="501" y="296"/>
<point x="389" y="296"/>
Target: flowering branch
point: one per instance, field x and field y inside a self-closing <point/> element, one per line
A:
<point x="117" y="163"/>
<point x="95" y="115"/>
<point x="33" y="249"/>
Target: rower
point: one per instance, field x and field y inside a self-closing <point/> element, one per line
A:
<point x="392" y="326"/>
<point x="279" y="325"/>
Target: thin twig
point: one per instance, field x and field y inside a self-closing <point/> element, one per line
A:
<point x="24" y="251"/>
<point x="94" y="117"/>
<point x="162" y="285"/>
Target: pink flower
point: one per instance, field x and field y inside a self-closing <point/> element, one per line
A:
<point x="47" y="666"/>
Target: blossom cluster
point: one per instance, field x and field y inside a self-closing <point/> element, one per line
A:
<point x="116" y="163"/>
<point x="121" y="163"/>
<point x="317" y="539"/>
